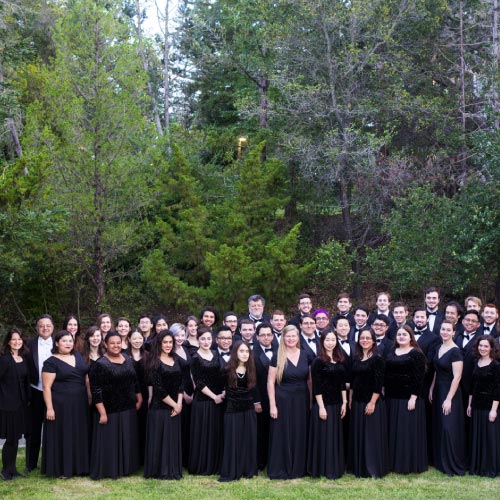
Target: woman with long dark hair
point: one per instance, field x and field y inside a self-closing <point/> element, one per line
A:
<point x="205" y="451"/>
<point x="72" y="325"/>
<point x="116" y="394"/>
<point x="325" y="455"/>
<point x="288" y="386"/>
<point x="405" y="367"/>
<point x="93" y="346"/>
<point x="65" y="450"/>
<point x="14" y="397"/>
<point x="123" y="328"/>
<point x="483" y="409"/>
<point x="163" y="456"/>
<point x="368" y="451"/>
<point x="239" y="458"/>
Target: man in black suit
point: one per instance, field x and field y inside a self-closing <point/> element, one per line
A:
<point x="40" y="349"/>
<point x="400" y="314"/>
<point x="230" y="319"/>
<point x="305" y="307"/>
<point x="454" y="312"/>
<point x="224" y="342"/>
<point x="309" y="340"/>
<point x="247" y="332"/>
<point x="344" y="305"/>
<point x="383" y="303"/>
<point x="361" y="314"/>
<point x="262" y="353"/>
<point x="490" y="320"/>
<point x="278" y="322"/>
<point x="435" y="316"/>
<point x="256" y="304"/>
<point x="380" y="326"/>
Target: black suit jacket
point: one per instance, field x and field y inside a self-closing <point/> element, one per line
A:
<point x="9" y="380"/>
<point x="429" y="343"/>
<point x="262" y="363"/>
<point x="493" y="332"/>
<point x="385" y="346"/>
<point x="437" y="323"/>
<point x="304" y="344"/>
<point x="468" y="354"/>
<point x="349" y="316"/>
<point x="32" y="359"/>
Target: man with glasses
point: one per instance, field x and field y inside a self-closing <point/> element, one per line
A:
<point x="40" y="349"/>
<point x="322" y="320"/>
<point x="380" y="325"/>
<point x="263" y="353"/>
<point x="305" y="307"/>
<point x="309" y="340"/>
<point x="224" y="341"/>
<point x="230" y="320"/>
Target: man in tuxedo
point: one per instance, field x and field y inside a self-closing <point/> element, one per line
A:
<point x="262" y="353"/>
<point x="256" y="305"/>
<point x="342" y="331"/>
<point x="224" y="342"/>
<point x="400" y="314"/>
<point x="435" y="316"/>
<point x="380" y="326"/>
<point x="278" y="322"/>
<point x="344" y="305"/>
<point x="305" y="307"/>
<point x="230" y="319"/>
<point x="473" y="303"/>
<point x="490" y="320"/>
<point x="247" y="332"/>
<point x="309" y="340"/>
<point x="383" y="303"/>
<point x="453" y="312"/>
<point x="322" y="320"/>
<point x="40" y="349"/>
<point x="361" y="313"/>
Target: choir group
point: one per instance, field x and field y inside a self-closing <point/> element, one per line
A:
<point x="319" y="395"/>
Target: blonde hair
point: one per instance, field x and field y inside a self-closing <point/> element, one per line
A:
<point x="282" y="357"/>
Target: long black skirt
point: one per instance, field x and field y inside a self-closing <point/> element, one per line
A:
<point x="407" y="436"/>
<point x="186" y="429"/>
<point x="163" y="456"/>
<point x="65" y="448"/>
<point x="206" y="439"/>
<point x="115" y="448"/>
<point x="288" y="433"/>
<point x="485" y="444"/>
<point x="239" y="458"/>
<point x="325" y="454"/>
<point x="368" y="450"/>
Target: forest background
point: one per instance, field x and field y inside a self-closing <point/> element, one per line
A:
<point x="251" y="146"/>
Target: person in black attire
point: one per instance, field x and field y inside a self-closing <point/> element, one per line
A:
<point x="400" y="314"/>
<point x="368" y="449"/>
<point x="380" y="326"/>
<point x="344" y="305"/>
<point x="435" y="316"/>
<point x="256" y="305"/>
<point x="361" y="314"/>
<point x="116" y="394"/>
<point x="224" y="341"/>
<point x="483" y="409"/>
<point x="239" y="457"/>
<point x="163" y="455"/>
<point x="263" y="352"/>
<point x="309" y="339"/>
<point x="305" y="307"/>
<point x="14" y="397"/>
<point x="490" y="320"/>
<point x="325" y="455"/>
<point x="39" y="350"/>
<point x="405" y="366"/>
<point x="454" y="312"/>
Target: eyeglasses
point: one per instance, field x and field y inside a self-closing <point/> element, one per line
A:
<point x="321" y="318"/>
<point x="224" y="338"/>
<point x="265" y="334"/>
<point x="379" y="324"/>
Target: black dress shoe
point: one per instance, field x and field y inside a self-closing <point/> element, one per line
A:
<point x="5" y="476"/>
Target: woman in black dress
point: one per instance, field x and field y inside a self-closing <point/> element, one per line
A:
<point x="105" y="324"/>
<point x="179" y="332"/>
<point x="239" y="458"/>
<point x="483" y="409"/>
<point x="191" y="342"/>
<point x="288" y="386"/>
<point x="405" y="368"/>
<point x="368" y="450"/>
<point x="137" y="351"/>
<point x="163" y="457"/>
<point x="92" y="347"/>
<point x="123" y="328"/>
<point x="14" y="396"/>
<point x="447" y="407"/>
<point x="325" y="455"/>
<point x="72" y="325"/>
<point x="116" y="394"/>
<point x="205" y="450"/>
<point x="65" y="450"/>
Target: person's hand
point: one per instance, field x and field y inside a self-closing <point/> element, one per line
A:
<point x="411" y="404"/>
<point x="492" y="416"/>
<point x="187" y="398"/>
<point x="369" y="408"/>
<point x="343" y="410"/>
<point x="322" y="413"/>
<point x="273" y="412"/>
<point x="430" y="395"/>
<point x="218" y="399"/>
<point x="51" y="415"/>
<point x="446" y="407"/>
<point x="469" y="411"/>
<point x="103" y="419"/>
<point x="138" y="405"/>
<point x="258" y="408"/>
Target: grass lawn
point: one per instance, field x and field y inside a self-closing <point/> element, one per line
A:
<point x="429" y="486"/>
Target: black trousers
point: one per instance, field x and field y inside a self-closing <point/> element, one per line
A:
<point x="9" y="455"/>
<point x="36" y="417"/>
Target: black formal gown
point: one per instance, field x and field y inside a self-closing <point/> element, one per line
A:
<point x="325" y="456"/>
<point x="289" y="432"/>
<point x="163" y="457"/>
<point x="187" y="383"/>
<point x="115" y="449"/>
<point x="448" y="430"/>
<point x="368" y="449"/>
<point x="239" y="457"/>
<point x="404" y="377"/>
<point x="485" y="435"/>
<point x="142" y="413"/>
<point x="205" y="449"/>
<point x="14" y="396"/>
<point x="65" y="449"/>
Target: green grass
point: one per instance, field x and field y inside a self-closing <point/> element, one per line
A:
<point x="428" y="486"/>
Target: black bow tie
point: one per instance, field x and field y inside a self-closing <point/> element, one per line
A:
<point x="311" y="340"/>
<point x="344" y="342"/>
<point x="378" y="341"/>
<point x="486" y="328"/>
<point x="269" y="349"/>
<point x="429" y="313"/>
<point x="467" y="336"/>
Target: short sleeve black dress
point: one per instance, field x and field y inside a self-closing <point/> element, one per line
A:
<point x="163" y="457"/>
<point x="368" y="450"/>
<point x="325" y="456"/>
<point x="205" y="449"/>
<point x="65" y="449"/>
<point x="404" y="377"/>
<point x="289" y="432"/>
<point x="448" y="430"/>
<point x="485" y="435"/>
<point x="114" y="445"/>
<point x="239" y="458"/>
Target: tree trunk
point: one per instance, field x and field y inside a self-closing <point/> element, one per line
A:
<point x="166" y="78"/>
<point x="496" y="54"/>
